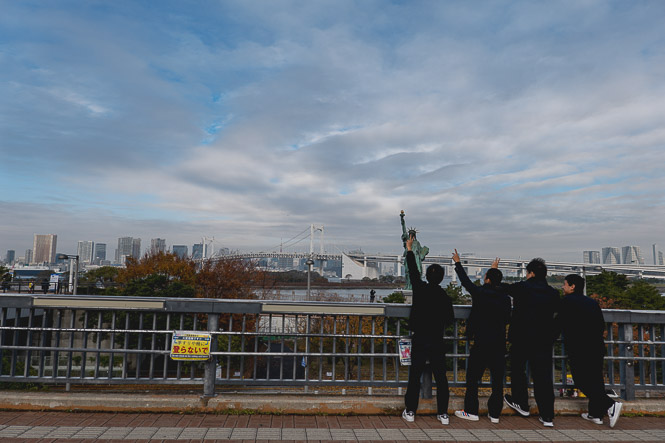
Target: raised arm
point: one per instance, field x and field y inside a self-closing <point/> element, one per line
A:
<point x="404" y="235"/>
<point x="463" y="278"/>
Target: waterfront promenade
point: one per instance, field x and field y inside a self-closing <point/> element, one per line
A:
<point x="34" y="426"/>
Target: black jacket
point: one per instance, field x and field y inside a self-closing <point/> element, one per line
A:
<point x="535" y="305"/>
<point x="431" y="309"/>
<point x="490" y="311"/>
<point x="582" y="324"/>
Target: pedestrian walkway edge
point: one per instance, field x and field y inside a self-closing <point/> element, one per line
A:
<point x="269" y="403"/>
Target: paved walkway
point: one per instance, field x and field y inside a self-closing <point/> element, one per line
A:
<point x="17" y="426"/>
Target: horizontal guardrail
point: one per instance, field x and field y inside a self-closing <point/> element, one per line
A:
<point x="124" y="340"/>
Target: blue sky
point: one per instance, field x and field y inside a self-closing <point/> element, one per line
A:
<point x="511" y="128"/>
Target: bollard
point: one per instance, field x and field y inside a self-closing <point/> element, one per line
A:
<point x="211" y="365"/>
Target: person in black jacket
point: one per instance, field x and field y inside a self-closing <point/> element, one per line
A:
<point x="431" y="311"/>
<point x="486" y="326"/>
<point x="582" y="324"/>
<point x="532" y="333"/>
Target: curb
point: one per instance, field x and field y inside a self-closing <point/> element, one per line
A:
<point x="302" y="404"/>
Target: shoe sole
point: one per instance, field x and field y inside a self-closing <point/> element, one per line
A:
<point x="617" y="414"/>
<point x="463" y="417"/>
<point x="516" y="409"/>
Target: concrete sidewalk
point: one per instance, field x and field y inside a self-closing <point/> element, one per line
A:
<point x="143" y="401"/>
<point x="33" y="426"/>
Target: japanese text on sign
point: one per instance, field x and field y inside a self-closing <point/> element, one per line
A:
<point x="187" y="345"/>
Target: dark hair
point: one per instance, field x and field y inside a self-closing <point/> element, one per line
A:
<point x="577" y="281"/>
<point x="495" y="276"/>
<point x="434" y="274"/>
<point x="538" y="267"/>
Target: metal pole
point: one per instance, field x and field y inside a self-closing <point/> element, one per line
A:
<point x="211" y="365"/>
<point x="76" y="275"/>
<point x="71" y="275"/>
<point x="309" y="268"/>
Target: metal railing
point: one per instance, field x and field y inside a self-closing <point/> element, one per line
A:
<point x="124" y="340"/>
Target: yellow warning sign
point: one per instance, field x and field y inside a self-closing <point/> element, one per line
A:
<point x="190" y="345"/>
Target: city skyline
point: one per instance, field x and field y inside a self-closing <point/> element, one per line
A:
<point x="515" y="129"/>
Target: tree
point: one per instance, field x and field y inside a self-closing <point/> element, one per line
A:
<point x="456" y="293"/>
<point x="608" y="284"/>
<point x="162" y="275"/>
<point x="230" y="278"/>
<point x="642" y="295"/>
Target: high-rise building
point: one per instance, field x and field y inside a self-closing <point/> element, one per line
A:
<point x="10" y="257"/>
<point x="180" y="250"/>
<point x="591" y="256"/>
<point x="157" y="245"/>
<point x="28" y="256"/>
<point x="124" y="249"/>
<point x="611" y="255"/>
<point x="661" y="261"/>
<point x="136" y="248"/>
<point x="197" y="251"/>
<point x="43" y="248"/>
<point x="84" y="250"/>
<point x="100" y="253"/>
<point x="655" y="253"/>
<point x="631" y="255"/>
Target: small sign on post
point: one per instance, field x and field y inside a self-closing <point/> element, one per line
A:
<point x="405" y="351"/>
<point x="190" y="345"/>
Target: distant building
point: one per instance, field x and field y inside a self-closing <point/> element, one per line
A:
<point x="197" y="251"/>
<point x="43" y="248"/>
<point x="631" y="255"/>
<point x="655" y="253"/>
<point x="85" y="250"/>
<point x="180" y="250"/>
<point x="100" y="253"/>
<point x="10" y="257"/>
<point x="28" y="256"/>
<point x="591" y="256"/>
<point x="124" y="249"/>
<point x="611" y="255"/>
<point x="157" y="245"/>
<point x="660" y="258"/>
<point x="136" y="248"/>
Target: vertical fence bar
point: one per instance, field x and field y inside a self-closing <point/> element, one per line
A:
<point x="210" y="370"/>
<point x="627" y="368"/>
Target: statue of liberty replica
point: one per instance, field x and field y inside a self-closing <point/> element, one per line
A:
<point x="418" y="250"/>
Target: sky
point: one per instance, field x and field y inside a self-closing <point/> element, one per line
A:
<point x="502" y="128"/>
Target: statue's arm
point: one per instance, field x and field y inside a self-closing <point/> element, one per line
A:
<point x="404" y="235"/>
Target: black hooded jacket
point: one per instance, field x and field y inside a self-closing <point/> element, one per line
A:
<point x="431" y="309"/>
<point x="490" y="311"/>
<point x="535" y="306"/>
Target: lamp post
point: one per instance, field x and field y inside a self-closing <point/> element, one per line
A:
<point x="76" y="271"/>
<point x="309" y="264"/>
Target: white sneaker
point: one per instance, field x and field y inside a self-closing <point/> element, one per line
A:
<point x="546" y="423"/>
<point x="614" y="411"/>
<point x="443" y="418"/>
<point x="408" y="416"/>
<point x="596" y="420"/>
<point x="466" y="416"/>
<point x="492" y="419"/>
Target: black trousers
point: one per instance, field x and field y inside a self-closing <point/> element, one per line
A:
<point x="421" y="351"/>
<point x="587" y="373"/>
<point x="481" y="357"/>
<point x="539" y="359"/>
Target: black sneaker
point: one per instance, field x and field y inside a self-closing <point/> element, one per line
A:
<point x="509" y="401"/>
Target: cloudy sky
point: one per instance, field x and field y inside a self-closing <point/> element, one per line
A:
<point x="511" y="128"/>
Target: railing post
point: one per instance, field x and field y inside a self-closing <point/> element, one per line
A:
<point x="627" y="367"/>
<point x="211" y="364"/>
<point x="426" y="382"/>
